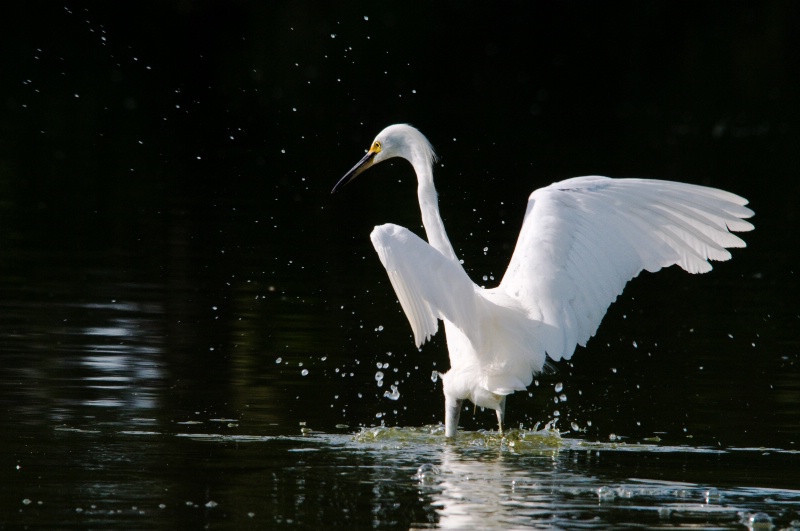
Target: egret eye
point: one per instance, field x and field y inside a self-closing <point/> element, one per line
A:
<point x="376" y="147"/>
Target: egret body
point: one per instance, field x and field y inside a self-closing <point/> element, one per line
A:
<point x="581" y="241"/>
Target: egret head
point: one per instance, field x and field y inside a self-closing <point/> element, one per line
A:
<point x="399" y="140"/>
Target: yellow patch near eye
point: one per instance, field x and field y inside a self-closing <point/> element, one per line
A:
<point x="376" y="147"/>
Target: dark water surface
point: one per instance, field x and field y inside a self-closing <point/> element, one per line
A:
<point x="193" y="332"/>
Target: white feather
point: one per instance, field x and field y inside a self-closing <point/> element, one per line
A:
<point x="581" y="241"/>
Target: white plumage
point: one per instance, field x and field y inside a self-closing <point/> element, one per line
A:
<point x="581" y="241"/>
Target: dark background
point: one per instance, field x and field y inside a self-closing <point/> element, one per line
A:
<point x="182" y="154"/>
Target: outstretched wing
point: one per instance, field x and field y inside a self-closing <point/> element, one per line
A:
<point x="428" y="285"/>
<point x="583" y="239"/>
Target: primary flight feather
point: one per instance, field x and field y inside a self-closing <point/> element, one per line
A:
<point x="581" y="241"/>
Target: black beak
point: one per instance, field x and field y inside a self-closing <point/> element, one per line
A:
<point x="362" y="165"/>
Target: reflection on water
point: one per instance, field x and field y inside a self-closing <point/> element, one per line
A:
<point x="405" y="478"/>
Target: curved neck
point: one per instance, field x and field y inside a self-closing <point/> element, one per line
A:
<point x="429" y="205"/>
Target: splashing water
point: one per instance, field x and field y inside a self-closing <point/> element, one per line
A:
<point x="394" y="394"/>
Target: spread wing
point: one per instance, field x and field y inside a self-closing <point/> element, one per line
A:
<point x="583" y="239"/>
<point x="428" y="285"/>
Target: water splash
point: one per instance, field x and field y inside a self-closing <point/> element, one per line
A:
<point x="544" y="441"/>
<point x="394" y="394"/>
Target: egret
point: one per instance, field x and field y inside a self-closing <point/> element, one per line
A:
<point x="582" y="240"/>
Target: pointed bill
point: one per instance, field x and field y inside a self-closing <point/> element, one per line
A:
<point x="362" y="165"/>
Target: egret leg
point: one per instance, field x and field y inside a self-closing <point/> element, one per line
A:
<point x="501" y="414"/>
<point x="452" y="412"/>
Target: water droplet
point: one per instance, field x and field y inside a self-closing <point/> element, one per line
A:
<point x="394" y="394"/>
<point x="211" y="504"/>
<point x="575" y="426"/>
<point x="559" y="387"/>
<point x="562" y="397"/>
<point x="760" y="521"/>
<point x="278" y="360"/>
<point x="304" y="372"/>
<point x="435" y="376"/>
<point x="427" y="473"/>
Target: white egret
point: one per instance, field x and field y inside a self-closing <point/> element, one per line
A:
<point x="581" y="241"/>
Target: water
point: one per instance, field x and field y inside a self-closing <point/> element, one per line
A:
<point x="193" y="332"/>
<point x="387" y="478"/>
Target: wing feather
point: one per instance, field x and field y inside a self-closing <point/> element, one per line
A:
<point x="429" y="285"/>
<point x="583" y="239"/>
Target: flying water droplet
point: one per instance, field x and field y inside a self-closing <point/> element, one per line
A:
<point x="435" y="376"/>
<point x="394" y="394"/>
<point x="559" y="387"/>
<point x="304" y="372"/>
